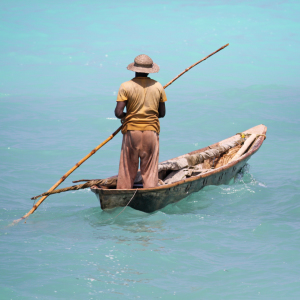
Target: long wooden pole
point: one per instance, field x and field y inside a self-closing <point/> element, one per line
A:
<point x="35" y="206"/>
<point x="103" y="143"/>
<point x="195" y="64"/>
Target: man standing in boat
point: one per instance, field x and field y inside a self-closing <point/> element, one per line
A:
<point x="144" y="99"/>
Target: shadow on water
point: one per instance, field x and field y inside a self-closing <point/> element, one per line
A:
<point x="128" y="226"/>
<point x="98" y="218"/>
<point x="139" y="221"/>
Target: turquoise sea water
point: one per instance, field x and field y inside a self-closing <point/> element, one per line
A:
<point x="61" y="64"/>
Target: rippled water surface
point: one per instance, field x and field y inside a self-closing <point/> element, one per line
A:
<point x="61" y="64"/>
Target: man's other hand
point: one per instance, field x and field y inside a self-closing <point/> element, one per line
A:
<point x="119" y="109"/>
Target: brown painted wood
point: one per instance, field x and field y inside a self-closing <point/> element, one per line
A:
<point x="149" y="200"/>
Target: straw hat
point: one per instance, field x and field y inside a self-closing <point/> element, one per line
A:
<point x="143" y="64"/>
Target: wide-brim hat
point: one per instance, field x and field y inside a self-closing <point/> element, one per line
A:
<point x="143" y="64"/>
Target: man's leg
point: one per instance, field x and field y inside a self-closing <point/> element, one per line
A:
<point x="149" y="154"/>
<point x="129" y="160"/>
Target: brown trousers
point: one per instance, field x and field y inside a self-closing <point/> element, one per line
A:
<point x="143" y="145"/>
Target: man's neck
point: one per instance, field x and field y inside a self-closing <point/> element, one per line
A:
<point x="137" y="74"/>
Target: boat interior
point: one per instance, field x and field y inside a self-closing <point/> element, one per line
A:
<point x="200" y="161"/>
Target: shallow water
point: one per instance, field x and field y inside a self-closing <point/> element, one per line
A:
<point x="61" y="66"/>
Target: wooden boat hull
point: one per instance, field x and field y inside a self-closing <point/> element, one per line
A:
<point x="150" y="200"/>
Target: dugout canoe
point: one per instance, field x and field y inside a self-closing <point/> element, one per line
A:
<point x="152" y="199"/>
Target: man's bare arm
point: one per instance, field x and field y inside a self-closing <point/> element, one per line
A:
<point x="119" y="109"/>
<point x="161" y="109"/>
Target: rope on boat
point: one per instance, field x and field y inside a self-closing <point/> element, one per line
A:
<point x="243" y="135"/>
<point x="261" y="135"/>
<point x="123" y="208"/>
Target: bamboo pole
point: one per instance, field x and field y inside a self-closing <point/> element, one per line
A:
<point x="35" y="206"/>
<point x="103" y="182"/>
<point x="195" y="64"/>
<point x="103" y="143"/>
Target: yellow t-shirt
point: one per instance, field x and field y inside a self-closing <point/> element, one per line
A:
<point x="143" y="95"/>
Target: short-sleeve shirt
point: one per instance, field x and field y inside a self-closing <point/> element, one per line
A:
<point x="143" y="96"/>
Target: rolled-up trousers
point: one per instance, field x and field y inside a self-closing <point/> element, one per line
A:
<point x="143" y="145"/>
